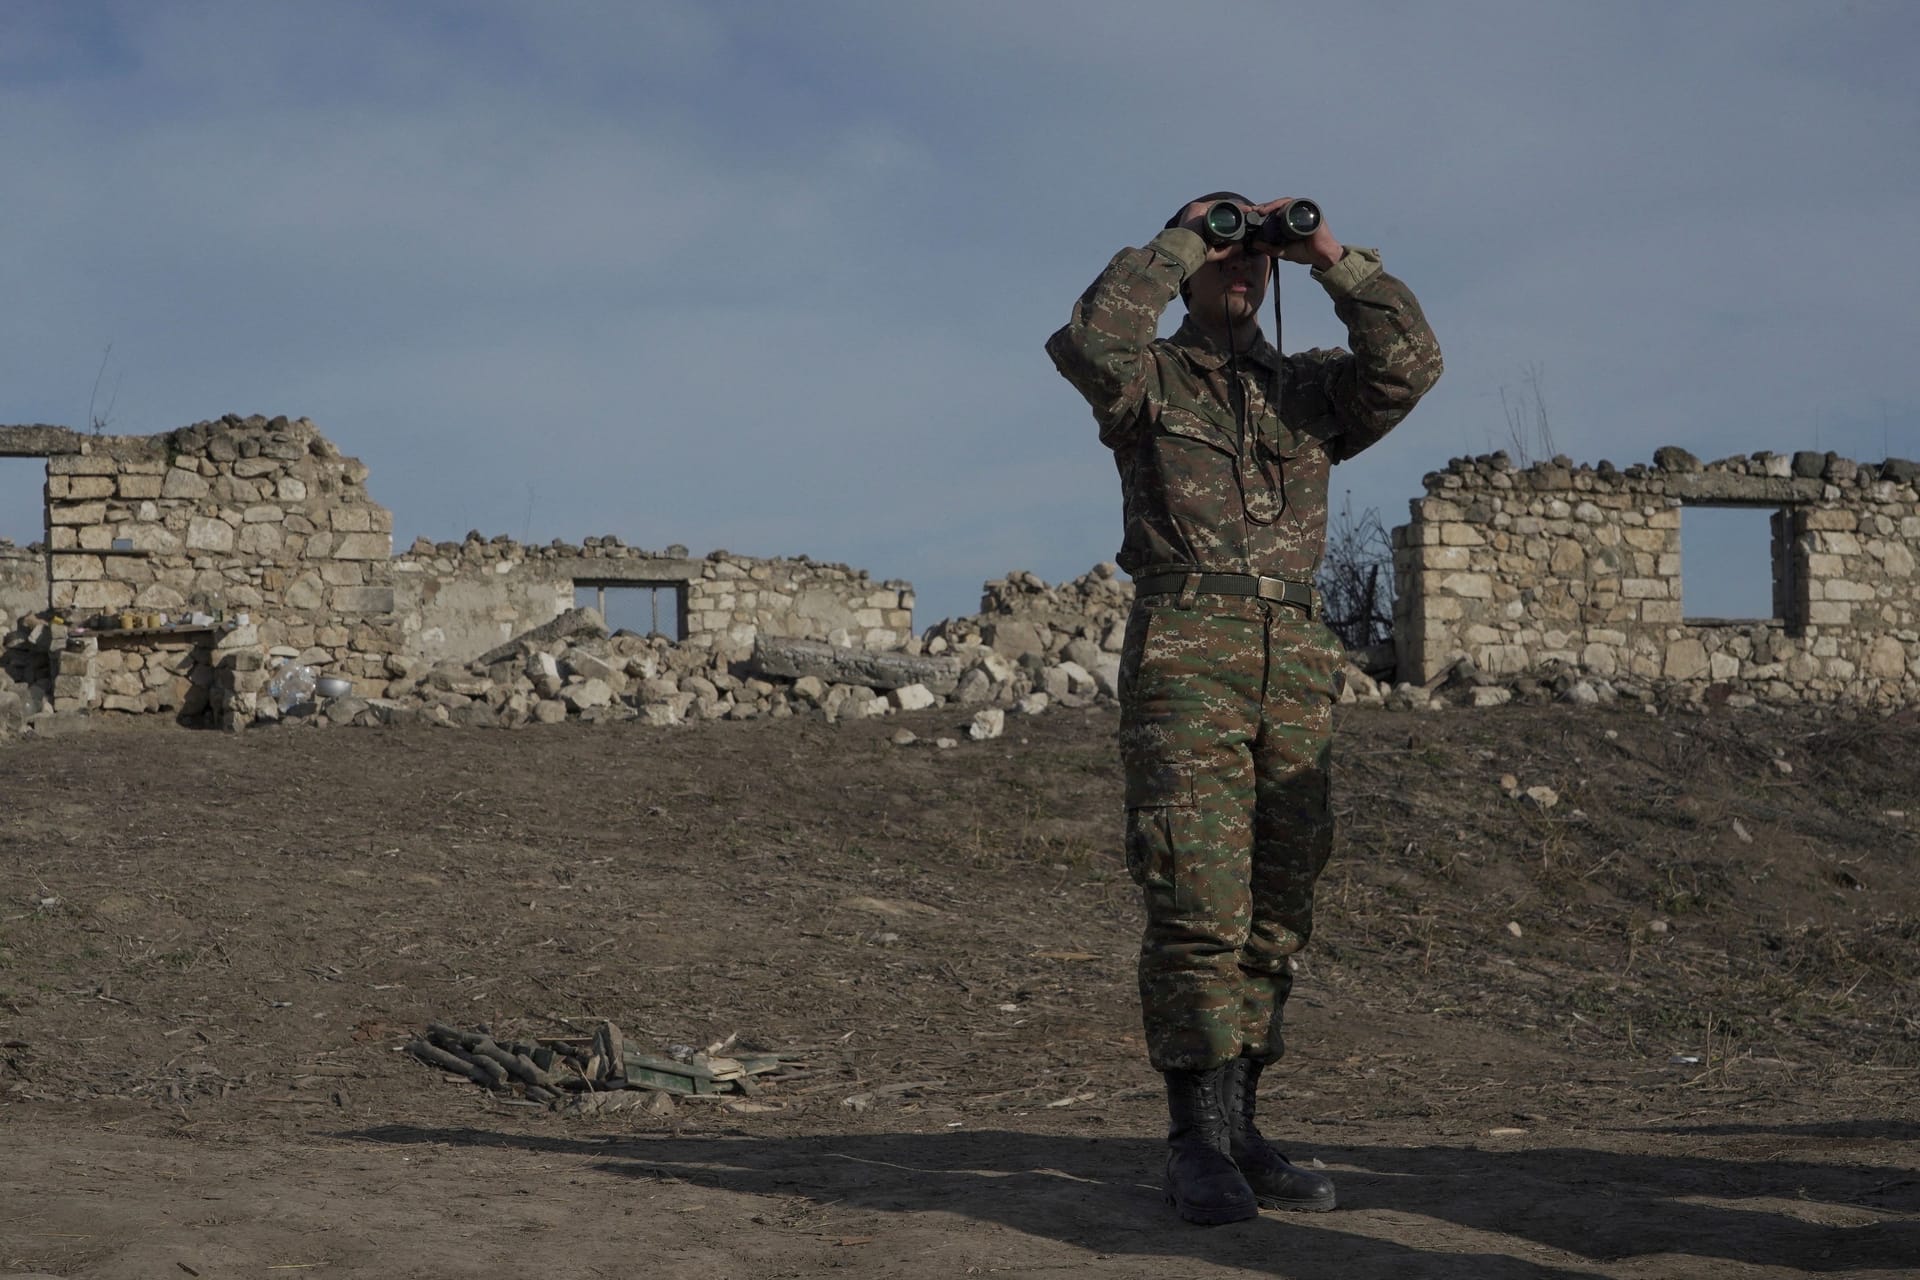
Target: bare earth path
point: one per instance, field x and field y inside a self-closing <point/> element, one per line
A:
<point x="211" y="947"/>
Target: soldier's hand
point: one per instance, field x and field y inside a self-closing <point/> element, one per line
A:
<point x="1318" y="250"/>
<point x="1190" y="219"/>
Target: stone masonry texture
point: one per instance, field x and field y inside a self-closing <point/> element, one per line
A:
<point x="1581" y="567"/>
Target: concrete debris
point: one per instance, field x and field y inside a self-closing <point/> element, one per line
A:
<point x="793" y="659"/>
<point x="574" y="622"/>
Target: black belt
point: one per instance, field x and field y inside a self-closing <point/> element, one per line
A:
<point x="1279" y="590"/>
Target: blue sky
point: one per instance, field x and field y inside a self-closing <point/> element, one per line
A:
<point x="775" y="276"/>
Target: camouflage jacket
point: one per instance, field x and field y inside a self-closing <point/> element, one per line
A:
<point x="1200" y="493"/>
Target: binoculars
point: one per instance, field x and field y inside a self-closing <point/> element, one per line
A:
<point x="1224" y="222"/>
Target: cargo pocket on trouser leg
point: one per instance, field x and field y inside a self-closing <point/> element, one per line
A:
<point x="1150" y="846"/>
<point x="1189" y="983"/>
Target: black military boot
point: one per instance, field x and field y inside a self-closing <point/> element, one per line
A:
<point x="1277" y="1182"/>
<point x="1202" y="1184"/>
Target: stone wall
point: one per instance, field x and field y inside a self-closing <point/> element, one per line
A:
<point x="460" y="599"/>
<point x="1580" y="567"/>
<point x="23" y="581"/>
<point x="260" y="524"/>
<point x="263" y="534"/>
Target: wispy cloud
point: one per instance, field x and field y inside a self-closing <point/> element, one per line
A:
<point x="776" y="276"/>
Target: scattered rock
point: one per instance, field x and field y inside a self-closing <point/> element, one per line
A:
<point x="912" y="697"/>
<point x="1541" y="797"/>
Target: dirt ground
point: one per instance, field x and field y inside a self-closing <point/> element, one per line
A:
<point x="1668" y="1027"/>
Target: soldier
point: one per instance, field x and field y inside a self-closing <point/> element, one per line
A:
<point x="1226" y="680"/>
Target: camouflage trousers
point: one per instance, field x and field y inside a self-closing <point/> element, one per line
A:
<point x="1226" y="725"/>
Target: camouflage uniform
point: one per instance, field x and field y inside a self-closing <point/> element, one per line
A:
<point x="1226" y="700"/>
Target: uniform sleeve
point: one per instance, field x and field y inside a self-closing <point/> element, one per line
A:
<point x="1395" y="358"/>
<point x="1106" y="349"/>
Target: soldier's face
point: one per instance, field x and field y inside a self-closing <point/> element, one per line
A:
<point x="1233" y="287"/>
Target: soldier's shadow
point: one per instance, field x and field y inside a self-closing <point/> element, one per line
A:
<point x="1103" y="1194"/>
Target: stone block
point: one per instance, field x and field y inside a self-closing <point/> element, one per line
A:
<point x="362" y="600"/>
<point x="1685" y="660"/>
<point x="1885" y="658"/>
<point x="1015" y="637"/>
<point x="75" y="689"/>
<point x="183" y="484"/>
<point x="151" y="537"/>
<point x="1600" y="659"/>
<point x="263" y="513"/>
<point x="1080" y="681"/>
<point x="990" y="723"/>
<point x="102" y="595"/>
<point x="81" y="464"/>
<point x="1895" y="557"/>
<point x="1837" y="542"/>
<point x="76" y="513"/>
<point x="363" y="546"/>
<point x="1472" y="586"/>
<point x="134" y="487"/>
<point x="260" y="541"/>
<point x="1502" y="659"/>
<point x="350" y="519"/>
<point x="77" y="568"/>
<point x="1823" y="613"/>
<point x="912" y="697"/>
<point x="1829" y="518"/>
<point x="204" y="533"/>
<point x="305" y="593"/>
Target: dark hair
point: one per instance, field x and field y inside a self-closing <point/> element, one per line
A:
<point x="1209" y="198"/>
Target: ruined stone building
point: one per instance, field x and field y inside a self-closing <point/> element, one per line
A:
<point x="258" y="543"/>
<point x="265" y="530"/>
<point x="1582" y="565"/>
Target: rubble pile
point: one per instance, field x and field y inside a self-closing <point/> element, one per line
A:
<point x="1032" y="647"/>
<point x="1462" y="684"/>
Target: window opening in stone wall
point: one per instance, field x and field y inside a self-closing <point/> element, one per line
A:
<point x="645" y="608"/>
<point x="1733" y="564"/>
<point x="23" y="500"/>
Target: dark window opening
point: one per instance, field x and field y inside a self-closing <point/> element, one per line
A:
<point x="1735" y="564"/>
<point x="644" y="608"/>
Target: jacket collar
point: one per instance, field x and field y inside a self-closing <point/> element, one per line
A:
<point x="1203" y="353"/>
